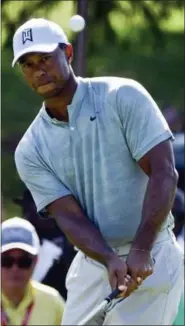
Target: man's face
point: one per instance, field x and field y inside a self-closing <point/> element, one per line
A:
<point x="16" y="268"/>
<point x="47" y="73"/>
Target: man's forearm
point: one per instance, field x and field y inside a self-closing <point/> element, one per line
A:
<point x="158" y="202"/>
<point x="89" y="240"/>
<point x="82" y="233"/>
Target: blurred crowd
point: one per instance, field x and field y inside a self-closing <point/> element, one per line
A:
<point x="176" y="123"/>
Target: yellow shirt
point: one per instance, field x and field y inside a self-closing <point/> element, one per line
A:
<point x="47" y="310"/>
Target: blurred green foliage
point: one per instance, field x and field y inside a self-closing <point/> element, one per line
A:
<point x="143" y="40"/>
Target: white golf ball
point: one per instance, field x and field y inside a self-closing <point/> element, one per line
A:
<point x="77" y="23"/>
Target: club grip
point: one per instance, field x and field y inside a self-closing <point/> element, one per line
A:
<point x="112" y="295"/>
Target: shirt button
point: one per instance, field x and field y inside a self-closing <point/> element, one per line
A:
<point x="72" y="128"/>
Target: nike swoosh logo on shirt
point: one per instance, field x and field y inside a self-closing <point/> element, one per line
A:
<point x="92" y="118"/>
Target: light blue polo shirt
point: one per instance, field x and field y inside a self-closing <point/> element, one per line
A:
<point x="113" y="122"/>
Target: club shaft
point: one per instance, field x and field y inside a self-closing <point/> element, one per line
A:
<point x="94" y="312"/>
<point x="100" y="307"/>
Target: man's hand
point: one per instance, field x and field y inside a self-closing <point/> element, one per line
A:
<point x="119" y="277"/>
<point x="139" y="264"/>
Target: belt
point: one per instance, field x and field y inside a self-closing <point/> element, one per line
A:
<point x="162" y="236"/>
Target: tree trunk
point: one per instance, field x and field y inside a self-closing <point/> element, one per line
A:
<point x="81" y="41"/>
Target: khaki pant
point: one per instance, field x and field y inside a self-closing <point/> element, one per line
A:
<point x="155" y="302"/>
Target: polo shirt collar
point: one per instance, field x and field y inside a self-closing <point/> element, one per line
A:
<point x="26" y="301"/>
<point x="74" y="107"/>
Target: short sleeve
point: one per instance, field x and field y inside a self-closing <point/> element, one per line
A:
<point x="44" y="186"/>
<point x="143" y="123"/>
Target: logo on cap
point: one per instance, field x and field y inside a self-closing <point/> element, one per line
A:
<point x="27" y="35"/>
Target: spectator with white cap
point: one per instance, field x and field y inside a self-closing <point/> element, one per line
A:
<point x="25" y="302"/>
<point x="55" y="254"/>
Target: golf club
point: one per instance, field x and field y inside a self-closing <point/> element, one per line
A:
<point x="100" y="307"/>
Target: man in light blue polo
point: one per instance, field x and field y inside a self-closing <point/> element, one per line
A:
<point x="98" y="158"/>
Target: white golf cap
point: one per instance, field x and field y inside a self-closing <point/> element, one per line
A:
<point x="37" y="35"/>
<point x="17" y="233"/>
